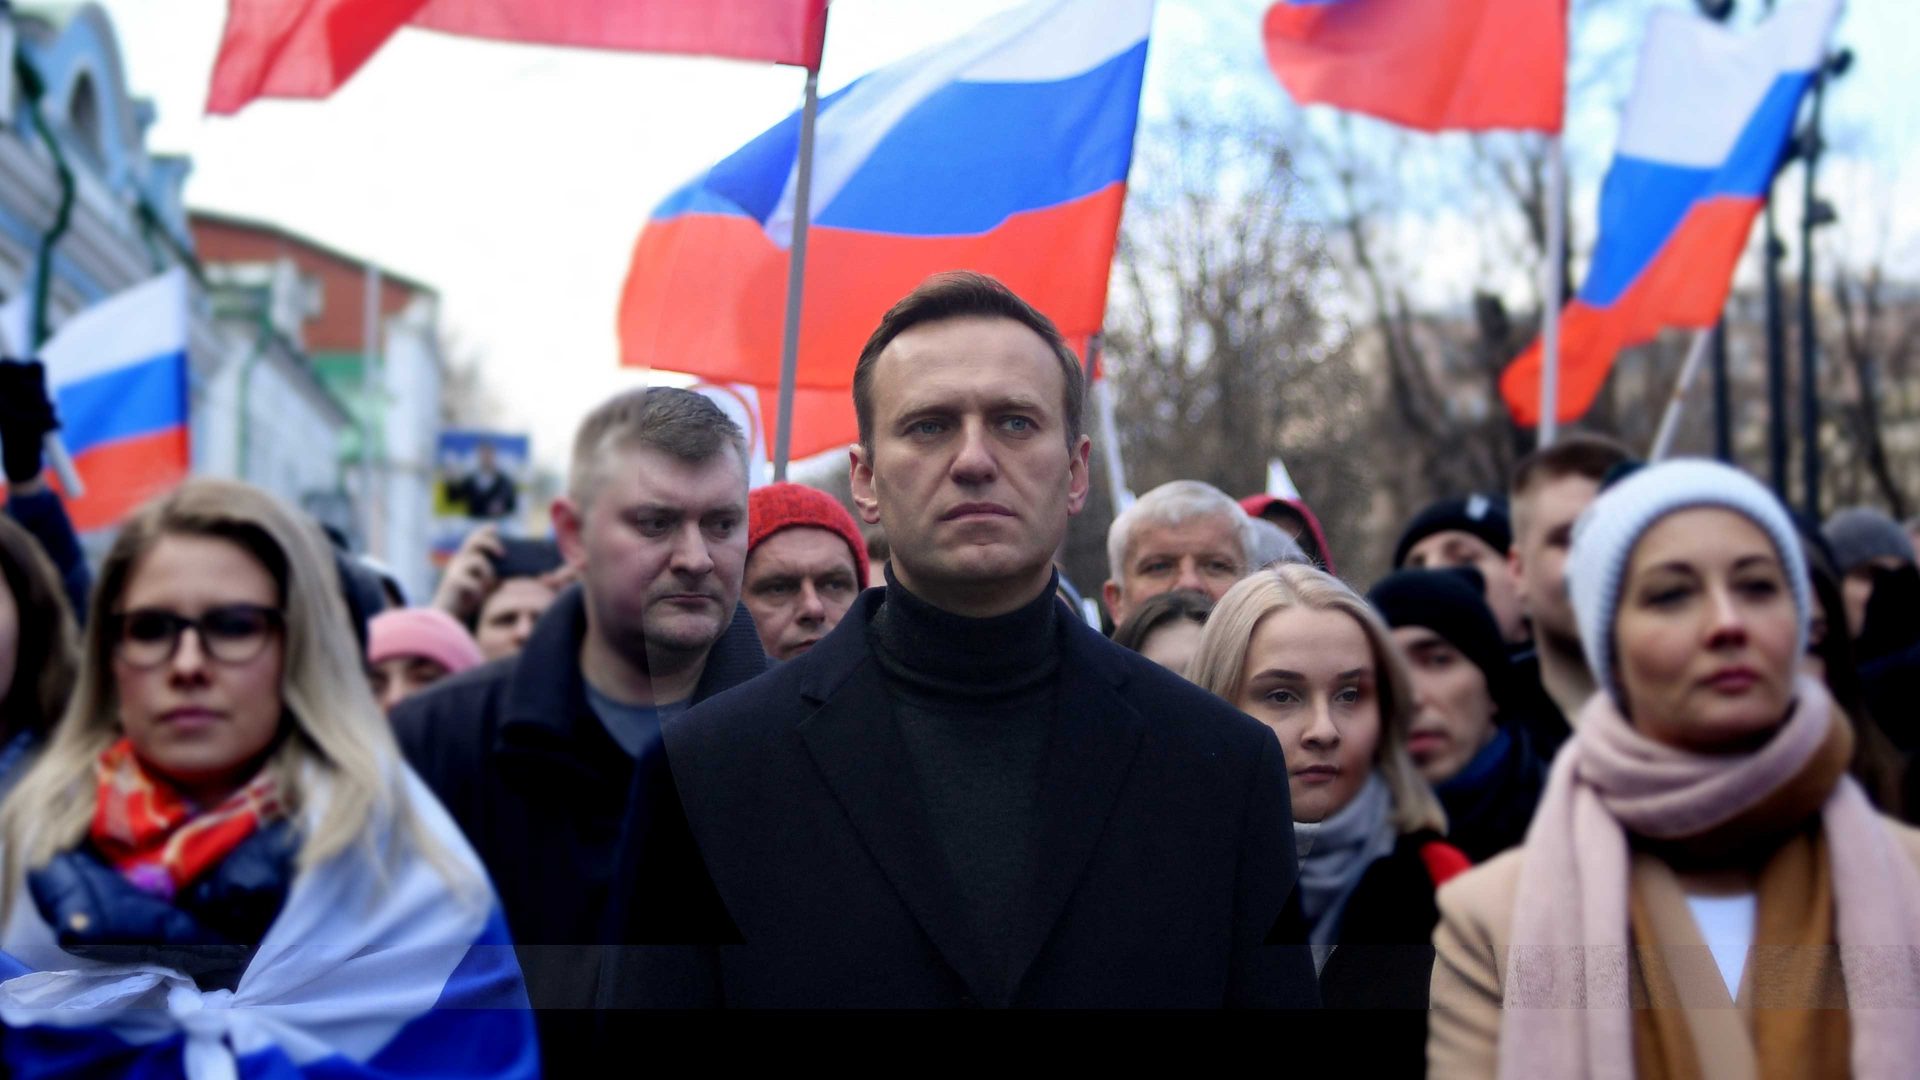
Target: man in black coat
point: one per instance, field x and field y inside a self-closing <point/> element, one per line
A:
<point x="535" y="755"/>
<point x="963" y="796"/>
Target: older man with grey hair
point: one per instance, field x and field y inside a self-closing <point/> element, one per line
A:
<point x="1181" y="535"/>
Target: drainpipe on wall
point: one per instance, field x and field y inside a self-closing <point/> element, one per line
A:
<point x="43" y="268"/>
<point x="261" y="337"/>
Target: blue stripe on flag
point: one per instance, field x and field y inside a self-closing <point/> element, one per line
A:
<point x="139" y="399"/>
<point x="1642" y="202"/>
<point x="974" y="154"/>
<point x="752" y="177"/>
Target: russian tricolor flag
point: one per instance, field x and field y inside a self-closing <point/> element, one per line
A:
<point x="1005" y="151"/>
<point x="118" y="374"/>
<point x="1703" y="134"/>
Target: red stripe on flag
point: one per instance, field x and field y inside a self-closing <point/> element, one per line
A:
<point x="309" y="48"/>
<point x="1429" y="64"/>
<point x="706" y="293"/>
<point x="1685" y="285"/>
<point x="119" y="476"/>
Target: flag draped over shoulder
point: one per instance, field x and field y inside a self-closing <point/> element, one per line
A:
<point x="1705" y="129"/>
<point x="308" y="48"/>
<point x="1436" y="65"/>
<point x="118" y="376"/>
<point x="377" y="966"/>
<point x="1005" y="152"/>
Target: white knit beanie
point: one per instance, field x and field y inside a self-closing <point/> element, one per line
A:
<point x="1606" y="532"/>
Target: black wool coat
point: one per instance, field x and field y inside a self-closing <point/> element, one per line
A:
<point x="1382" y="964"/>
<point x="1164" y="852"/>
<point x="540" y="788"/>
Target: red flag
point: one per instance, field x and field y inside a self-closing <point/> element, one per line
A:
<point x="309" y="48"/>
<point x="1435" y="65"/>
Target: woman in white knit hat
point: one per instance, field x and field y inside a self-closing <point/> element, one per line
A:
<point x="1703" y="892"/>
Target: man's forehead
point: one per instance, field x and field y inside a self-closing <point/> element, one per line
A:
<point x="1203" y="532"/>
<point x="1555" y="502"/>
<point x="644" y="476"/>
<point x="966" y="357"/>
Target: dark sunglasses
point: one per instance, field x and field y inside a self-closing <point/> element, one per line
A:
<point x="230" y="634"/>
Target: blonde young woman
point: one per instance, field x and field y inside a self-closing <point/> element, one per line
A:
<point x="1297" y="649"/>
<point x="1704" y="891"/>
<point x="219" y="864"/>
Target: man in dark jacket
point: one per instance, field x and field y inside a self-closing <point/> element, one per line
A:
<point x="535" y="755"/>
<point x="964" y="796"/>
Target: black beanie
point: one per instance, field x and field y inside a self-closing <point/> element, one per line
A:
<point x="1450" y="603"/>
<point x="1485" y="516"/>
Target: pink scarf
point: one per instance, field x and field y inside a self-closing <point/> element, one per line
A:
<point x="1565" y="1012"/>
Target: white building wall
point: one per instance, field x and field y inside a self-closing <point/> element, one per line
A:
<point x="410" y="385"/>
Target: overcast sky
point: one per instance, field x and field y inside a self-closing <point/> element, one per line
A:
<point x="514" y="179"/>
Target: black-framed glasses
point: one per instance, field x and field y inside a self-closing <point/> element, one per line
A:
<point x="230" y="634"/>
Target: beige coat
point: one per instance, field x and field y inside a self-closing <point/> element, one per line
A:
<point x="1469" y="969"/>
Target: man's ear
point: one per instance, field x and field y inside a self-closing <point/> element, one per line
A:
<point x="860" y="466"/>
<point x="1079" y="475"/>
<point x="1110" y="595"/>
<point x="568" y="523"/>
<point x="1516" y="567"/>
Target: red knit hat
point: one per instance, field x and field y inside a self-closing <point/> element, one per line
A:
<point x="785" y="505"/>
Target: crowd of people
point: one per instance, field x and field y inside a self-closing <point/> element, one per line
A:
<point x="1606" y="778"/>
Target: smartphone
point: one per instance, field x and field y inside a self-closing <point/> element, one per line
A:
<point x="521" y="557"/>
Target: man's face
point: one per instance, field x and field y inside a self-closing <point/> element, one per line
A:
<point x="660" y="549"/>
<point x="800" y="581"/>
<point x="1543" y="534"/>
<point x="1856" y="590"/>
<point x="969" y="467"/>
<point x="1201" y="553"/>
<point x="1457" y="547"/>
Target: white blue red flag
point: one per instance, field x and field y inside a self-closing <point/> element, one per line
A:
<point x="377" y="966"/>
<point x="118" y="375"/>
<point x="1005" y="151"/>
<point x="1704" y="132"/>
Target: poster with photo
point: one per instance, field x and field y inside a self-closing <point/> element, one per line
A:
<point x="479" y="477"/>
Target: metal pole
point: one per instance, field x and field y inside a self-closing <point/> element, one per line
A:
<point x="1776" y="360"/>
<point x="370" y="410"/>
<point x="1809" y="336"/>
<point x="1776" y="349"/>
<point x="1109" y="432"/>
<point x="796" y="276"/>
<point x="1722" y="396"/>
<point x="1555" y="291"/>
<point x="1670" y="421"/>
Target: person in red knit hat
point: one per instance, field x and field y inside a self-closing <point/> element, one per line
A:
<point x="806" y="561"/>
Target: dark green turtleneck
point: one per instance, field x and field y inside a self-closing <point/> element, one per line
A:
<point x="975" y="700"/>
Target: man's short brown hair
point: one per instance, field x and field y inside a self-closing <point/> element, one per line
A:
<point x="962" y="294"/>
<point x="1578" y="454"/>
<point x="673" y="421"/>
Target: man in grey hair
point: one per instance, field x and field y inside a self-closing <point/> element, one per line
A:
<point x="1181" y="535"/>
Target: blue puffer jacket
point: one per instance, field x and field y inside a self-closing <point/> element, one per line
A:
<point x="209" y="930"/>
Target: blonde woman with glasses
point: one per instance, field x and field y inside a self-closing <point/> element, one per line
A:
<point x="1298" y="650"/>
<point x="220" y="865"/>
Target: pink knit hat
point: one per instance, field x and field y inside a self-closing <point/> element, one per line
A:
<point x="426" y="632"/>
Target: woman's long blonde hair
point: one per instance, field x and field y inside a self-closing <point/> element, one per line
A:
<point x="1221" y="666"/>
<point x="336" y="737"/>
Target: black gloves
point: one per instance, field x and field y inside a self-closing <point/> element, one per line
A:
<point x="26" y="415"/>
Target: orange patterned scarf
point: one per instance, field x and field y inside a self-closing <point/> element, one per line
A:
<point x="156" y="837"/>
